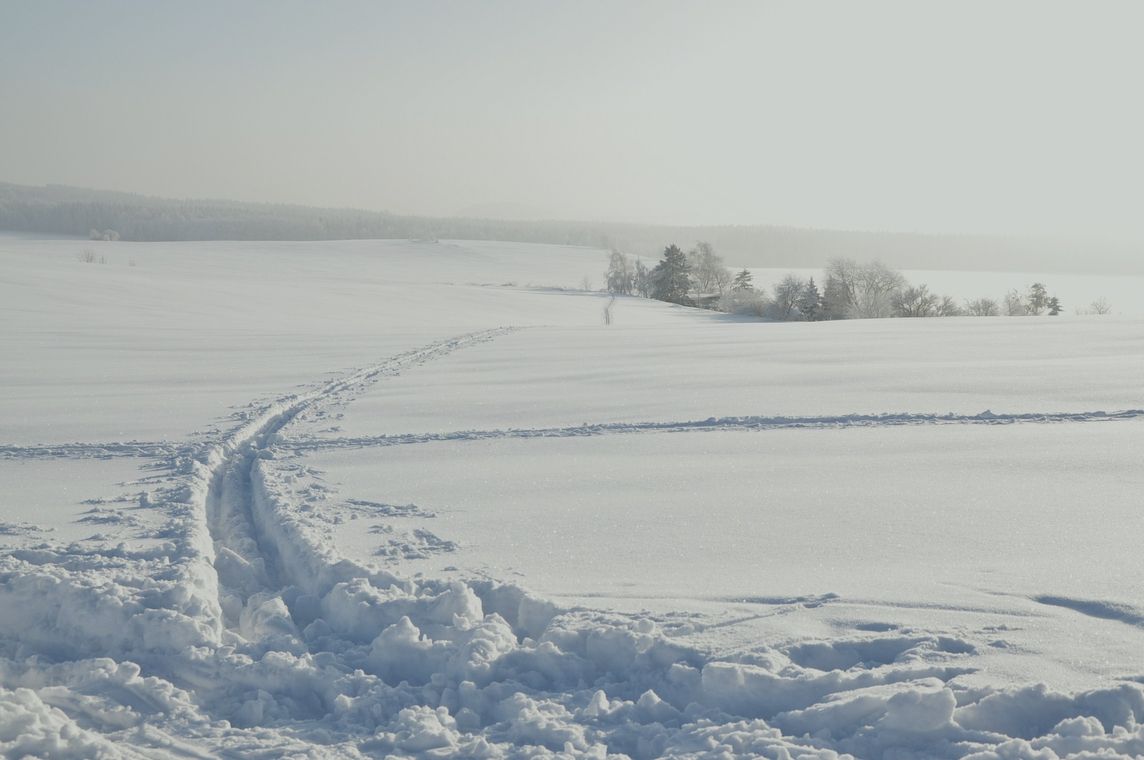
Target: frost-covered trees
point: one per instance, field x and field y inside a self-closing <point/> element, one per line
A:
<point x="810" y="302"/>
<point x="620" y="277"/>
<point x="915" y="302"/>
<point x="1034" y="303"/>
<point x="850" y="290"/>
<point x="794" y="298"/>
<point x="1015" y="305"/>
<point x="860" y="291"/>
<point x="920" y="302"/>
<point x="1037" y="300"/>
<point x="641" y="280"/>
<point x="875" y="287"/>
<point x="834" y="299"/>
<point x="742" y="298"/>
<point x="838" y="288"/>
<point x="709" y="275"/>
<point x="742" y="281"/>
<point x="787" y="292"/>
<point x="744" y="301"/>
<point x="983" y="307"/>
<point x="670" y="280"/>
<point x="947" y="307"/>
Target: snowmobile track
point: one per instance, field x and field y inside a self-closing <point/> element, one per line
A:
<point x="245" y="557"/>
<point x="713" y="424"/>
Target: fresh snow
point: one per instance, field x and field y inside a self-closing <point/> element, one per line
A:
<point x="372" y="498"/>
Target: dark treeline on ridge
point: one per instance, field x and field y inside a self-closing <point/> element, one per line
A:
<point x="62" y="210"/>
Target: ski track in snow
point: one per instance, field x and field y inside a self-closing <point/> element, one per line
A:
<point x="247" y="557"/>
<point x="717" y="424"/>
<point x="109" y="450"/>
<point x="248" y="635"/>
<point x="166" y="450"/>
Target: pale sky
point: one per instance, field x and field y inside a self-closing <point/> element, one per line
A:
<point x="1012" y="117"/>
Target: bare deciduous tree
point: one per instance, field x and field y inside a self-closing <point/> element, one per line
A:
<point x="983" y="307"/>
<point x="787" y="291"/>
<point x="838" y="288"/>
<point x="1100" y="306"/>
<point x="947" y="307"/>
<point x="860" y="291"/>
<point x="641" y="280"/>
<point x="709" y="276"/>
<point x="619" y="278"/>
<point x="915" y="302"/>
<point x="874" y="291"/>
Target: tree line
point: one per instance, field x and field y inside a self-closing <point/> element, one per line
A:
<point x="849" y="290"/>
<point x="75" y="212"/>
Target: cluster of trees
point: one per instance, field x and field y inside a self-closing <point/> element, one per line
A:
<point x="697" y="277"/>
<point x="850" y="290"/>
<point x="1034" y="303"/>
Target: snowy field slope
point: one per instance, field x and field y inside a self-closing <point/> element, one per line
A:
<point x="360" y="499"/>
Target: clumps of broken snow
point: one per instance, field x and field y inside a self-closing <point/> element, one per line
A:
<point x="69" y="601"/>
<point x="379" y="509"/>
<point x="344" y="660"/>
<point x="418" y="543"/>
<point x="30" y="727"/>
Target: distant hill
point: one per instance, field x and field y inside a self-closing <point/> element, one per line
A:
<point x="62" y="210"/>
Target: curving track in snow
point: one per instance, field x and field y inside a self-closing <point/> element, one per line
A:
<point x="247" y="553"/>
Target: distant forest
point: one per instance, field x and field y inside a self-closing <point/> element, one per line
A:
<point x="70" y="211"/>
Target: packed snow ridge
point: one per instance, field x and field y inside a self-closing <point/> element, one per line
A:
<point x="242" y="631"/>
<point x="712" y="424"/>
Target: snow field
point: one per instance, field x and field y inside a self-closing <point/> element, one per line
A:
<point x="246" y="623"/>
<point x="559" y="377"/>
<point x="785" y="535"/>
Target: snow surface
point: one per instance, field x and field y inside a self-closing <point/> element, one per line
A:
<point x="366" y="498"/>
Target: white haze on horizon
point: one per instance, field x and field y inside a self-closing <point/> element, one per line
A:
<point x="974" y="117"/>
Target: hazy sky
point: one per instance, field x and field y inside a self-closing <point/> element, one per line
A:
<point x="1020" y="117"/>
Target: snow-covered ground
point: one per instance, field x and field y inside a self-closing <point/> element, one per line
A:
<point x="365" y="498"/>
